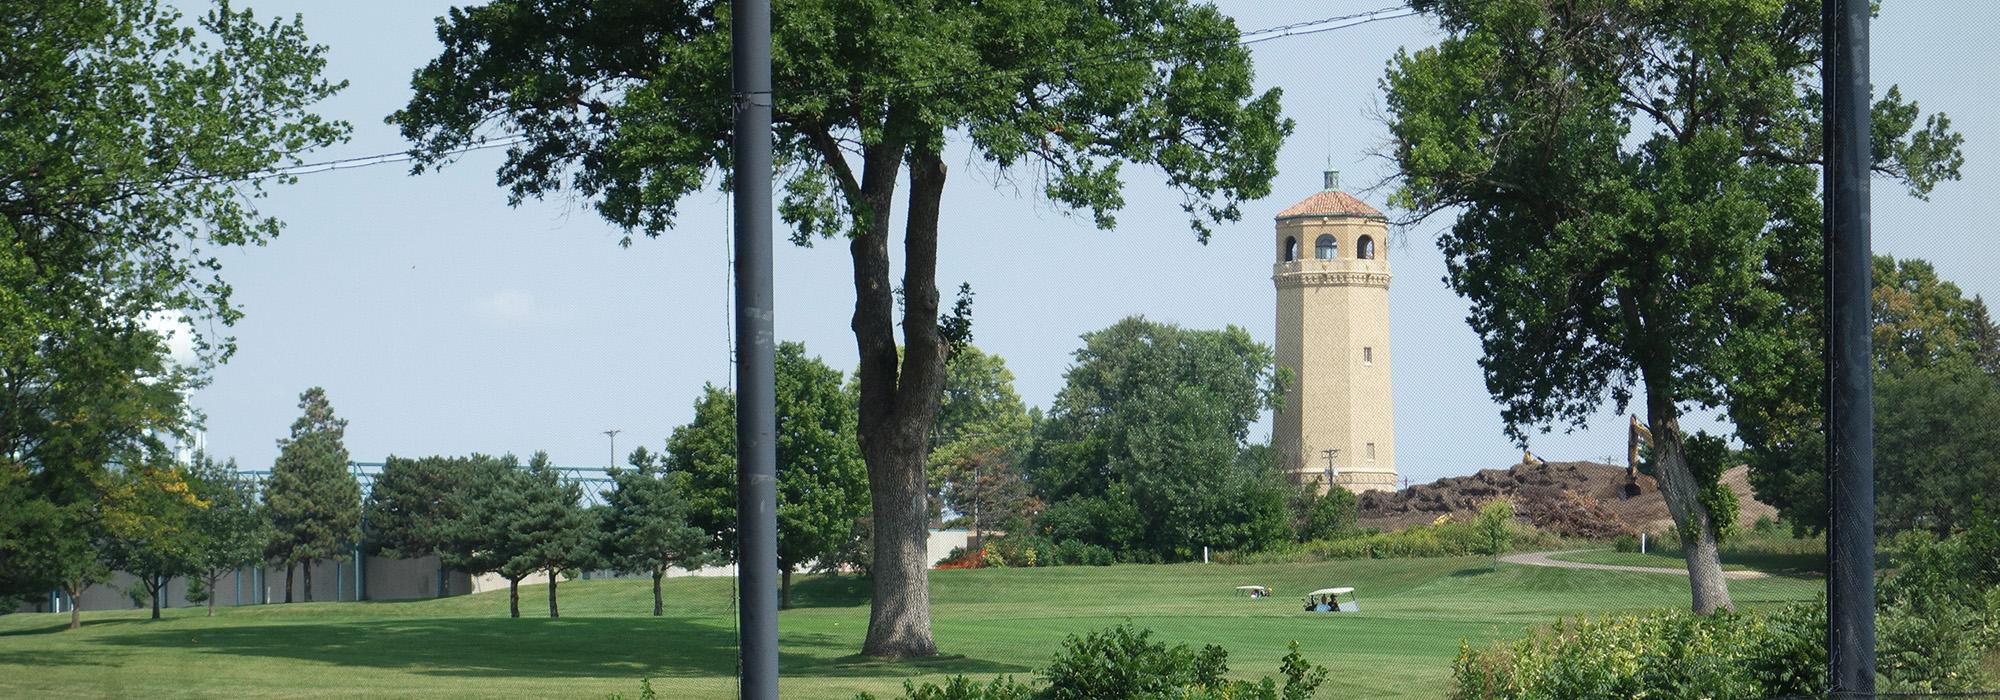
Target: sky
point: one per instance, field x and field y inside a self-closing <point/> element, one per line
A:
<point x="440" y="320"/>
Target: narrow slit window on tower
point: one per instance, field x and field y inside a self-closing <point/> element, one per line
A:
<point x="1326" y="248"/>
<point x="1365" y="248"/>
<point x="1291" y="251"/>
<point x="1371" y="452"/>
<point x="1368" y="356"/>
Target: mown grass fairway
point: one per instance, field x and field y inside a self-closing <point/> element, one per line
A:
<point x="992" y="621"/>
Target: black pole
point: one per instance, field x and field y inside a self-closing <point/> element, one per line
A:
<point x="756" y="399"/>
<point x="1850" y="420"/>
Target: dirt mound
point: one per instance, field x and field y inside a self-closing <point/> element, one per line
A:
<point x="1580" y="499"/>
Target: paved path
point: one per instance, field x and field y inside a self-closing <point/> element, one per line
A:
<point x="1548" y="559"/>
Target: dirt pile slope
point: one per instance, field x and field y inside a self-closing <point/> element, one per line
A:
<point x="1583" y="499"/>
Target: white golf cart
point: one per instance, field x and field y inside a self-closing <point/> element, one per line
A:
<point x="1254" y="591"/>
<point x="1328" y="600"/>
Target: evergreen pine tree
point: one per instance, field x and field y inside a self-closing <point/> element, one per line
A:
<point x="315" y="502"/>
<point x="646" y="527"/>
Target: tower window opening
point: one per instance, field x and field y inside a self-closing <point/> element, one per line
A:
<point x="1291" y="251"/>
<point x="1326" y="248"/>
<point x="1365" y="248"/>
<point x="1368" y="356"/>
<point x="1371" y="452"/>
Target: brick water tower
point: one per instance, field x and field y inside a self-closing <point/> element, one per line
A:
<point x="1338" y="422"/>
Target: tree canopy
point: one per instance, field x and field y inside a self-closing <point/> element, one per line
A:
<point x="822" y="485"/>
<point x="230" y="530"/>
<point x="627" y="103"/>
<point x="645" y="523"/>
<point x="1636" y="210"/>
<point x="1142" y="450"/>
<point x="315" y="501"/>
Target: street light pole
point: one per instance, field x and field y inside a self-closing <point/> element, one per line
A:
<point x="1850" y="414"/>
<point x="756" y="380"/>
<point x="612" y="458"/>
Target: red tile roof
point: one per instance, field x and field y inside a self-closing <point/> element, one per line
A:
<point x="1331" y="203"/>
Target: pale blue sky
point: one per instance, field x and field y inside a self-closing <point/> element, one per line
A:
<point x="442" y="321"/>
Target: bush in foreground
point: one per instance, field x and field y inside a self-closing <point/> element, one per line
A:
<point x="1124" y="663"/>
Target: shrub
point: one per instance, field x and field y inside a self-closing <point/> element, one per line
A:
<point x="1672" y="654"/>
<point x="1124" y="663"/>
<point x="1625" y="543"/>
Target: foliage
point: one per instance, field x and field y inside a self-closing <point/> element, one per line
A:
<point x="1937" y="371"/>
<point x="1143" y="448"/>
<point x="1668" y="654"/>
<point x="645" y="524"/>
<point x="1446" y="539"/>
<point x="149" y="526"/>
<point x="1638" y="210"/>
<point x="472" y="515"/>
<point x="1323" y="516"/>
<point x="549" y="531"/>
<point x="1495" y="524"/>
<point x="1124" y="663"/>
<point x="626" y="104"/>
<point x="982" y="435"/>
<point x="314" y="500"/>
<point x="822" y="483"/>
<point x="231" y="531"/>
<point x="128" y="129"/>
<point x="417" y="507"/>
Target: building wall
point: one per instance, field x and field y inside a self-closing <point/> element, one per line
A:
<point x="1333" y="334"/>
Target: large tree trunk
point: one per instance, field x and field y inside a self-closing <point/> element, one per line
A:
<point x="513" y="597"/>
<point x="552" y="595"/>
<point x="659" y="572"/>
<point x="156" y="586"/>
<point x="308" y="569"/>
<point x="289" y="567"/>
<point x="785" y="587"/>
<point x="898" y="404"/>
<point x="1692" y="521"/>
<point x="211" y="593"/>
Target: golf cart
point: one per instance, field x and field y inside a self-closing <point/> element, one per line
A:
<point x="1255" y="591"/>
<point x="1328" y="600"/>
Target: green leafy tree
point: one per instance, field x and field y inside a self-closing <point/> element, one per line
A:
<point x="230" y="532"/>
<point x="128" y="126"/>
<point x="1324" y="516"/>
<point x="1636" y="194"/>
<point x="149" y="526"/>
<point x="1495" y="523"/>
<point x="626" y="103"/>
<point x="646" y="525"/>
<point x="982" y="435"/>
<point x="483" y="529"/>
<point x="822" y="483"/>
<point x="1928" y="342"/>
<point x="1141" y="451"/>
<point x="549" y="531"/>
<point x="315" y="502"/>
<point x="1937" y="447"/>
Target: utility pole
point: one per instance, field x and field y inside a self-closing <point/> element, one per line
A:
<point x="756" y="397"/>
<point x="612" y="461"/>
<point x="1850" y="419"/>
<point x="1331" y="471"/>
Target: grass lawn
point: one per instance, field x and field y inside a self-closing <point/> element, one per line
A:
<point x="1793" y="564"/>
<point x="989" y="622"/>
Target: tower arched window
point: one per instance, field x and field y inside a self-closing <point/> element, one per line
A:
<point x="1291" y="251"/>
<point x="1365" y="248"/>
<point x="1326" y="248"/>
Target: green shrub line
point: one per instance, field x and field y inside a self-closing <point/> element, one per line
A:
<point x="1124" y="663"/>
<point x="1444" y="539"/>
<point x="1937" y="619"/>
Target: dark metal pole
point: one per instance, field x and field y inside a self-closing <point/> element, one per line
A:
<point x="756" y="398"/>
<point x="1850" y="420"/>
